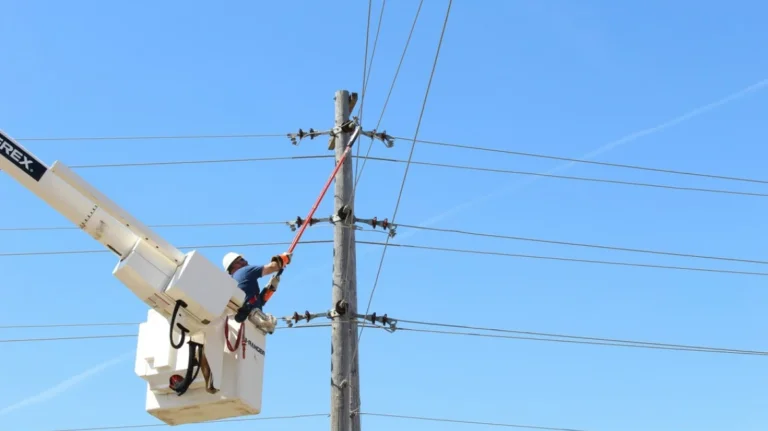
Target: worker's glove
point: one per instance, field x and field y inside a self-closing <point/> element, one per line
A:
<point x="272" y="284"/>
<point x="282" y="260"/>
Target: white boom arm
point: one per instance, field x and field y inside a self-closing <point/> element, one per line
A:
<point x="187" y="289"/>
<point x="83" y="205"/>
<point x="157" y="272"/>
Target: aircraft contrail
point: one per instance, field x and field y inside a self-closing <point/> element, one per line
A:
<point x="600" y="150"/>
<point x="66" y="384"/>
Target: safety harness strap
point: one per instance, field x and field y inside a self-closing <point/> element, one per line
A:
<point x="207" y="375"/>
<point x="176" y="382"/>
<point x="240" y="337"/>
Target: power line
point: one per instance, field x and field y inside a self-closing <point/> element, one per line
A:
<point x="615" y="165"/>
<point x="422" y="141"/>
<point x="365" y="66"/>
<point x="444" y="230"/>
<point x="410" y="157"/>
<point x="359" y="174"/>
<point x="424" y="247"/>
<point x="68" y="325"/>
<point x="389" y="95"/>
<point x="98" y="337"/>
<point x="657" y="346"/>
<point x="311" y="415"/>
<point x="214" y="224"/>
<point x="251" y="244"/>
<point x="520" y="335"/>
<point x="265" y="418"/>
<point x="578" y="244"/>
<point x="83" y="337"/>
<point x="597" y="180"/>
<point x="368" y="66"/>
<point x="202" y="162"/>
<point x="432" y="164"/>
<point x="144" y="138"/>
<point x="365" y="56"/>
<point x="564" y="259"/>
<point x="457" y="421"/>
<point x="367" y="79"/>
<point x="577" y="337"/>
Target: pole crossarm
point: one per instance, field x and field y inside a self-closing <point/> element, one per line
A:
<point x="343" y="216"/>
<point x="388" y="140"/>
<point x="387" y="323"/>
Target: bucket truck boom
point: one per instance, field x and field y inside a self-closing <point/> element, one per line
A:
<point x="187" y="293"/>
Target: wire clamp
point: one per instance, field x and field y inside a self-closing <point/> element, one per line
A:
<point x="388" y="140"/>
<point x="348" y="127"/>
<point x="344" y="215"/>
<point x="341" y="307"/>
<point x="385" y="224"/>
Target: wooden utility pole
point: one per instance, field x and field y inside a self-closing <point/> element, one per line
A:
<point x="344" y="328"/>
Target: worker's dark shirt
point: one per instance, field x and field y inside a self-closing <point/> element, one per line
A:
<point x="247" y="279"/>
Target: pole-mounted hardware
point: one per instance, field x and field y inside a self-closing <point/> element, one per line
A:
<point x="301" y="134"/>
<point x="388" y="140"/>
<point x="375" y="222"/>
<point x="344" y="215"/>
<point x="340" y="309"/>
<point x="388" y="324"/>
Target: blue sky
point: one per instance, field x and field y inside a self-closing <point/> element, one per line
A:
<point x="554" y="77"/>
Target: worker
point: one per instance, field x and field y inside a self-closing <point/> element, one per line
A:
<point x="247" y="277"/>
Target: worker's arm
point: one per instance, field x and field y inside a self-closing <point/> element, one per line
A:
<point x="269" y="268"/>
<point x="277" y="262"/>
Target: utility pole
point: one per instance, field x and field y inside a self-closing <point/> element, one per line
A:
<point x="344" y="327"/>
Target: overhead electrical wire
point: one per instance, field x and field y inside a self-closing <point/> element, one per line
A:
<point x="80" y="337"/>
<point x="442" y="230"/>
<point x="349" y="243"/>
<point x="492" y="333"/>
<point x="581" y="244"/>
<point x="68" y="325"/>
<point x="592" y="162"/>
<point x="365" y="55"/>
<point x="311" y="415"/>
<point x="422" y="141"/>
<point x="358" y="173"/>
<point x="106" y="336"/>
<point x="578" y="339"/>
<point x="365" y="66"/>
<point x="389" y="95"/>
<point x="202" y="162"/>
<point x="424" y="247"/>
<point x="367" y="77"/>
<point x="563" y="259"/>
<point x="410" y="157"/>
<point x="146" y="138"/>
<point x="171" y="225"/>
<point x="423" y="163"/>
<point x="250" y="244"/>
<point x="595" y="343"/>
<point x="458" y="421"/>
<point x="245" y="419"/>
<point x="590" y="179"/>
<point x="368" y="65"/>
